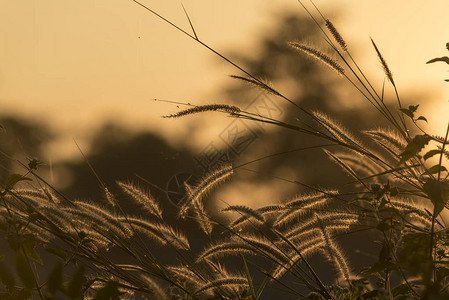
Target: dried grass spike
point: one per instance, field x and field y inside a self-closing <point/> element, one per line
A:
<point x="337" y="36"/>
<point x="317" y="54"/>
<point x="227" y="248"/>
<point x="160" y="232"/>
<point x="186" y="275"/>
<point x="265" y="210"/>
<point x="332" y="220"/>
<point x="303" y="204"/>
<point x="107" y="215"/>
<point x="210" y="181"/>
<point x="246" y="244"/>
<point x="336" y="129"/>
<point x="90" y="219"/>
<point x="232" y="282"/>
<point x="343" y="165"/>
<point x="388" y="139"/>
<point x="204" y="108"/>
<point x="245" y="210"/>
<point x="157" y="290"/>
<point x="359" y="163"/>
<point x="306" y="247"/>
<point x="52" y="197"/>
<point x="258" y="83"/>
<point x="265" y="247"/>
<point x="202" y="218"/>
<point x="143" y="197"/>
<point x="110" y="197"/>
<point x="411" y="207"/>
<point x="384" y="64"/>
<point x="334" y="253"/>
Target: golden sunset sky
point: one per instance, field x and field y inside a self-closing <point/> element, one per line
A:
<point x="77" y="63"/>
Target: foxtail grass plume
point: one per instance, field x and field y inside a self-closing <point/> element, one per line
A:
<point x="158" y="291"/>
<point x="337" y="130"/>
<point x="359" y="163"/>
<point x="225" y="248"/>
<point x="337" y="36"/>
<point x="245" y="210"/>
<point x="230" y="282"/>
<point x="306" y="247"/>
<point x="255" y="245"/>
<point x="412" y="209"/>
<point x="257" y="83"/>
<point x="343" y="164"/>
<point x="109" y="197"/>
<point x="317" y="54"/>
<point x="384" y="64"/>
<point x="202" y="218"/>
<point x="391" y="141"/>
<point x="204" y="108"/>
<point x="101" y="223"/>
<point x="189" y="278"/>
<point x="209" y="182"/>
<point x="143" y="197"/>
<point x="265" y="210"/>
<point x="159" y="232"/>
<point x="334" y="253"/>
<point x="57" y="217"/>
<point x="104" y="213"/>
<point x="332" y="220"/>
<point x="303" y="204"/>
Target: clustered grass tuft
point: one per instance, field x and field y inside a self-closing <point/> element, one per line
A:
<point x="396" y="196"/>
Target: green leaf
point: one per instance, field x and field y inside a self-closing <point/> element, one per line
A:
<point x="57" y="251"/>
<point x="407" y="112"/>
<point x="383" y="226"/>
<point x="248" y="277"/>
<point x="422" y="118"/>
<point x="414" y="147"/>
<point x="442" y="59"/>
<point x="75" y="288"/>
<point x="394" y="191"/>
<point x="29" y="245"/>
<point x="415" y="254"/>
<point x="24" y="294"/>
<point x="438" y="193"/>
<point x="24" y="270"/>
<point x="54" y="281"/>
<point x="435" y="169"/>
<point x="442" y="273"/>
<point x="6" y="277"/>
<point x="413" y="108"/>
<point x="380" y="267"/>
<point x="14" y="241"/>
<point x="402" y="289"/>
<point x="13" y="179"/>
<point x="374" y="294"/>
<point x="431" y="153"/>
<point x="385" y="252"/>
<point x="410" y="110"/>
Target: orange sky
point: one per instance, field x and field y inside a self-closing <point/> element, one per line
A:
<point x="77" y="63"/>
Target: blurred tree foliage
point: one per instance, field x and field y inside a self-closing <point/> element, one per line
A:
<point x="20" y="139"/>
